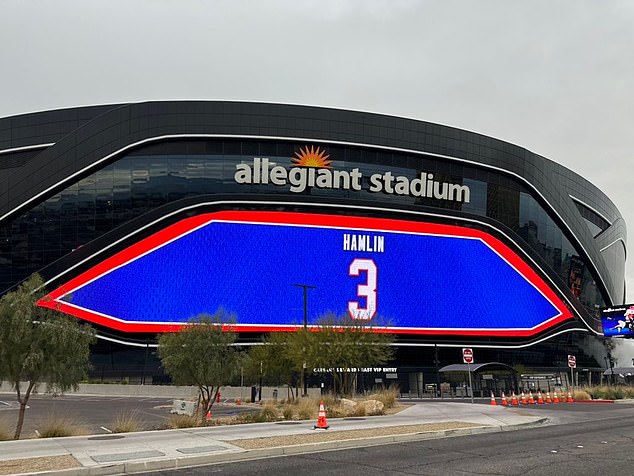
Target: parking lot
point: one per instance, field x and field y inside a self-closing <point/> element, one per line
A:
<point x="96" y="414"/>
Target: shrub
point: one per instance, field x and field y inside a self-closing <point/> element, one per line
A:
<point x="338" y="411"/>
<point x="581" y="395"/>
<point x="287" y="412"/>
<point x="307" y="408"/>
<point x="127" y="422"/>
<point x="602" y="392"/>
<point x="183" y="421"/>
<point x="269" y="413"/>
<point x="59" y="425"/>
<point x="610" y="392"/>
<point x="387" y="396"/>
<point x="251" y="417"/>
<point x="329" y="399"/>
<point x="5" y="430"/>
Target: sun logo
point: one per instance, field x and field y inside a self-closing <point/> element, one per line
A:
<point x="313" y="157"/>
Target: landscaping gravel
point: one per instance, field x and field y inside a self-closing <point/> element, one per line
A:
<point x="32" y="465"/>
<point x="328" y="435"/>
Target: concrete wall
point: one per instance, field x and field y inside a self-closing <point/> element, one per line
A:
<point x="166" y="391"/>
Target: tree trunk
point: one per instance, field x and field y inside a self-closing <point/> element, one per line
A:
<point x="23" y="401"/>
<point x="205" y="397"/>
<point x="337" y="383"/>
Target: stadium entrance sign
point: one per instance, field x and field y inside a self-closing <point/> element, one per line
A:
<point x="263" y="171"/>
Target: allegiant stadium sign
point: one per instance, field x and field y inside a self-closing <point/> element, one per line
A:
<point x="312" y="169"/>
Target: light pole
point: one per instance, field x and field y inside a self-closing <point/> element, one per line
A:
<point x="437" y="363"/>
<point x="260" y="392"/>
<point x="610" y="362"/>
<point x="305" y="287"/>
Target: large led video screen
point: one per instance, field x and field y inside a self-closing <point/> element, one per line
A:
<point x="618" y="321"/>
<point x="413" y="277"/>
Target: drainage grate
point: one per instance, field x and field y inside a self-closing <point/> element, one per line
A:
<point x="201" y="449"/>
<point x="107" y="437"/>
<point x="126" y="456"/>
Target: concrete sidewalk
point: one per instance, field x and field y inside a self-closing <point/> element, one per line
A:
<point x="168" y="449"/>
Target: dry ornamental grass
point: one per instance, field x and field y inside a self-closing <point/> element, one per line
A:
<point x="59" y="425"/>
<point x="127" y="422"/>
<point x="6" y="432"/>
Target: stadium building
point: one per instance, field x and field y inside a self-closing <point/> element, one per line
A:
<point x="140" y="216"/>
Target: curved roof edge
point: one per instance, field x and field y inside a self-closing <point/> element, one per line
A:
<point x="84" y="137"/>
<point x="476" y="367"/>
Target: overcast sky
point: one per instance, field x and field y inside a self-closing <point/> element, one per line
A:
<point x="555" y="77"/>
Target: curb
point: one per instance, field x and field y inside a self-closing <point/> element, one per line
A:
<point x="246" y="455"/>
<point x="594" y="401"/>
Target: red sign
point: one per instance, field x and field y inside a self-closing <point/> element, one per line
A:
<point x="572" y="361"/>
<point x="467" y="355"/>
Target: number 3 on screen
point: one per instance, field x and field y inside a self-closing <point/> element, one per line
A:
<point x="367" y="290"/>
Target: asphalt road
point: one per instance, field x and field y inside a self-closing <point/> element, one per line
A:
<point x="94" y="413"/>
<point x="591" y="447"/>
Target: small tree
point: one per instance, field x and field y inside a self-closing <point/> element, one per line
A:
<point x="201" y="354"/>
<point x="274" y="360"/>
<point x="345" y="345"/>
<point x="39" y="345"/>
<point x="341" y="344"/>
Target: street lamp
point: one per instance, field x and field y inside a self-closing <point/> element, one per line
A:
<point x="437" y="363"/>
<point x="608" y="361"/>
<point x="305" y="287"/>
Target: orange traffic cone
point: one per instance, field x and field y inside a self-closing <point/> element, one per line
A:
<point x="514" y="399"/>
<point x="523" y="399"/>
<point x="321" y="418"/>
<point x="493" y="402"/>
<point x="540" y="399"/>
<point x="555" y="397"/>
<point x="208" y="416"/>
<point x="531" y="400"/>
<point x="504" y="402"/>
<point x="548" y="400"/>
<point x="570" y="399"/>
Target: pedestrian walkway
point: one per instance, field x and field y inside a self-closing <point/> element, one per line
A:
<point x="168" y="449"/>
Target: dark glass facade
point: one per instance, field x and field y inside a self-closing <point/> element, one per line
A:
<point x="158" y="174"/>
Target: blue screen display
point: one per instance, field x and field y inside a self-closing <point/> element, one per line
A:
<point x="410" y="279"/>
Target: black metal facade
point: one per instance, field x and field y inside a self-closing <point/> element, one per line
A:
<point x="68" y="184"/>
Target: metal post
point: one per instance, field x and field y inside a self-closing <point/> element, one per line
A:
<point x="260" y="392"/>
<point x="470" y="385"/>
<point x="437" y="363"/>
<point x="147" y="348"/>
<point x="305" y="287"/>
<point x="241" y="382"/>
<point x="610" y="361"/>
